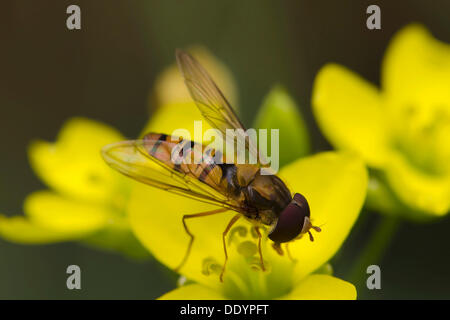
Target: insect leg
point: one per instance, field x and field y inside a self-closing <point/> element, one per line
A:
<point x="230" y="224"/>
<point x="191" y="241"/>
<point x="259" y="248"/>
<point x="289" y="253"/>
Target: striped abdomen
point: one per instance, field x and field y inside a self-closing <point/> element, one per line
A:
<point x="181" y="155"/>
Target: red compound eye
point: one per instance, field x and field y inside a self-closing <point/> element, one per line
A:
<point x="291" y="220"/>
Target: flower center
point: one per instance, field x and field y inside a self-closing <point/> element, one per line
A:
<point x="422" y="134"/>
<point x="247" y="283"/>
<point x="244" y="277"/>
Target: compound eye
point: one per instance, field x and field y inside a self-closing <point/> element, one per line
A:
<point x="291" y="220"/>
<point x="300" y="200"/>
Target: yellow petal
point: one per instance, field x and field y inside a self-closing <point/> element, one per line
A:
<point x="313" y="287"/>
<point x="349" y="112"/>
<point x="322" y="287"/>
<point x="170" y="87"/>
<point x="416" y="69"/>
<point x="192" y="292"/>
<point x="418" y="190"/>
<point x="335" y="186"/>
<point x="117" y="237"/>
<point x="175" y="116"/>
<point x="416" y="82"/>
<point x="54" y="212"/>
<point x="73" y="164"/>
<point x="20" y="230"/>
<point x="156" y="219"/>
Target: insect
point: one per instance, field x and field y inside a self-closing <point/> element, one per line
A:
<point x="264" y="200"/>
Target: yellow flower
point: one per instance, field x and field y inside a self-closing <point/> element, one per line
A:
<point x="401" y="130"/>
<point x="86" y="201"/>
<point x="335" y="186"/>
<point x="170" y="88"/>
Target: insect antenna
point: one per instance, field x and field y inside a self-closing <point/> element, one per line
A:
<point x="315" y="228"/>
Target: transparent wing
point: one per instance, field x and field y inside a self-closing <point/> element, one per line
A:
<point x="131" y="158"/>
<point x="213" y="105"/>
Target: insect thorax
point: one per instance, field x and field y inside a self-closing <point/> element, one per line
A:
<point x="266" y="197"/>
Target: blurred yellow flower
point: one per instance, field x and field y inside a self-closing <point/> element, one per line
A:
<point x="401" y="130"/>
<point x="170" y="88"/>
<point x="335" y="185"/>
<point x="86" y="201"/>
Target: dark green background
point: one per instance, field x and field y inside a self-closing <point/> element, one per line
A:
<point x="105" y="72"/>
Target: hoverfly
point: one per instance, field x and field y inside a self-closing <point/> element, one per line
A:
<point x="264" y="200"/>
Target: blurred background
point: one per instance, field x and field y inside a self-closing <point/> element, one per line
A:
<point x="105" y="72"/>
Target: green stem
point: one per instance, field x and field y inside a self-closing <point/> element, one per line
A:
<point x="374" y="250"/>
